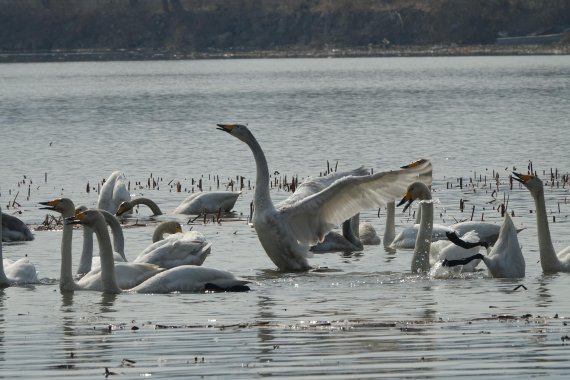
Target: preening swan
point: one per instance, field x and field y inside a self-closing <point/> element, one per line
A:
<point x="287" y="230"/>
<point x="113" y="192"/>
<point x="549" y="260"/>
<point x="196" y="203"/>
<point x="505" y="259"/>
<point x="128" y="274"/>
<point x="185" y="278"/>
<point x="21" y="271"/>
<point x="13" y="229"/>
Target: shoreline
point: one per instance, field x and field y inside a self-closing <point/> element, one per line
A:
<point x="85" y="55"/>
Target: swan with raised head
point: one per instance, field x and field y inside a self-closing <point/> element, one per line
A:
<point x="21" y="271"/>
<point x="13" y="229"/>
<point x="195" y="203"/>
<point x="287" y="230"/>
<point x="184" y="278"/>
<point x="128" y="274"/>
<point x="87" y="260"/>
<point x="505" y="259"/>
<point x="425" y="253"/>
<point x="113" y="193"/>
<point x="550" y="261"/>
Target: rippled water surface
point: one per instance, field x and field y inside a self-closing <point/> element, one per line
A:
<point x="362" y="315"/>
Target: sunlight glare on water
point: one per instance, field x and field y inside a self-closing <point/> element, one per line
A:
<point x="362" y="315"/>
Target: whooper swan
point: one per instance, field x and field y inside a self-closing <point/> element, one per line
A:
<point x="287" y="230"/>
<point x="184" y="278"/>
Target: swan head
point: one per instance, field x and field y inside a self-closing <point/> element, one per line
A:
<point x="237" y="130"/>
<point x="417" y="190"/>
<point x="531" y="182"/>
<point x="87" y="218"/>
<point x="124" y="207"/>
<point x="61" y="205"/>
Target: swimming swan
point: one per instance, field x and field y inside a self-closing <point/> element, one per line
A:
<point x="195" y="204"/>
<point x="184" y="278"/>
<point x="87" y="260"/>
<point x="113" y="192"/>
<point x="549" y="260"/>
<point x="505" y="259"/>
<point x="21" y="271"/>
<point x="178" y="248"/>
<point x="287" y="230"/>
<point x="128" y="274"/>
<point x="425" y="253"/>
<point x="13" y="229"/>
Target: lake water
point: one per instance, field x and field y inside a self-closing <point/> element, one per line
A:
<point x="64" y="125"/>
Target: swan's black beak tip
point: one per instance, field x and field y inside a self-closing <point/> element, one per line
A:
<point x="224" y="127"/>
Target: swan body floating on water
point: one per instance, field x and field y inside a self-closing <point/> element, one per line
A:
<point x="195" y="204"/>
<point x="13" y="229"/>
<point x="184" y="278"/>
<point x="287" y="230"/>
<point x="550" y="261"/>
<point x="505" y="259"/>
<point x="20" y="271"/>
<point x="128" y="274"/>
<point x="181" y="248"/>
<point x="113" y="193"/>
<point x="189" y="248"/>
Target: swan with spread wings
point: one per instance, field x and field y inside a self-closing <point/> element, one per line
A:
<point x="287" y="230"/>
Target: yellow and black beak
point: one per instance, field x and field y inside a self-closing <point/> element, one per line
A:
<point x="407" y="198"/>
<point x="522" y="178"/>
<point x="50" y="205"/>
<point x="226" y="127"/>
<point x="415" y="164"/>
<point x="76" y="219"/>
<point x="121" y="210"/>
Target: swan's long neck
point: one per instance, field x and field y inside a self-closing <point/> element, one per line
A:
<point x="420" y="259"/>
<point x="350" y="230"/>
<point x="548" y="259"/>
<point x="86" y="259"/>
<point x="3" y="279"/>
<point x="117" y="230"/>
<point x="261" y="198"/>
<point x="390" y="229"/>
<point x="108" y="281"/>
<point x="66" y="283"/>
<point x="158" y="233"/>
<point x="147" y="202"/>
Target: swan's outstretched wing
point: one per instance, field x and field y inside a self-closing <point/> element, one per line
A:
<point x="313" y="185"/>
<point x="314" y="216"/>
